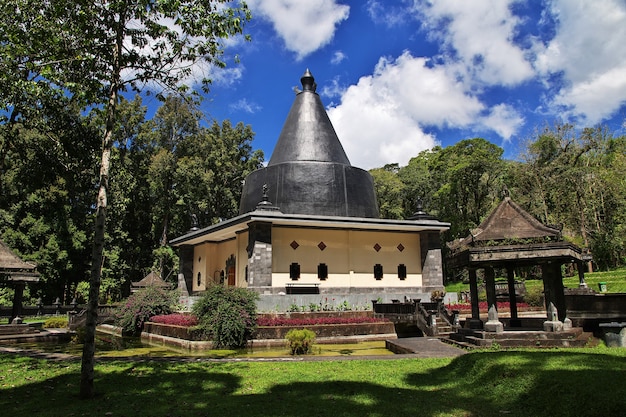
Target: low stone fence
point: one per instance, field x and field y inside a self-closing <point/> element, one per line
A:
<point x="386" y="329"/>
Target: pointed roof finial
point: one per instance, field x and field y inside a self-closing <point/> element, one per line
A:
<point x="308" y="82"/>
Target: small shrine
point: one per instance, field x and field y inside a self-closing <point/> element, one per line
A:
<point x="16" y="273"/>
<point x="151" y="280"/>
<point x="508" y="238"/>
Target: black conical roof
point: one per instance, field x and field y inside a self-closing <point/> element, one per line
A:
<point x="309" y="172"/>
<point x="308" y="134"/>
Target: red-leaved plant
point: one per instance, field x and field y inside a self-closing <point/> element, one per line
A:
<point x="482" y="305"/>
<point x="176" y="319"/>
<point x="283" y="321"/>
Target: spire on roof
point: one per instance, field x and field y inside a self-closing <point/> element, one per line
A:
<point x="308" y="82"/>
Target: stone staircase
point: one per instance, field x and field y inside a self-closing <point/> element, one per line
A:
<point x="471" y="338"/>
<point x="444" y="330"/>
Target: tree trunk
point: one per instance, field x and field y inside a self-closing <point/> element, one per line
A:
<point x="87" y="364"/>
<point x="89" y="348"/>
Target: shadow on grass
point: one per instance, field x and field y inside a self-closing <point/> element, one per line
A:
<point x="478" y="384"/>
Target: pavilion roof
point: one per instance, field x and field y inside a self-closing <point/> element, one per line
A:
<point x="10" y="262"/>
<point x="510" y="234"/>
<point x="152" y="279"/>
<point x="508" y="222"/>
<point x="14" y="268"/>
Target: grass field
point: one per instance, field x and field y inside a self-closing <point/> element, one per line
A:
<point x="572" y="382"/>
<point x="615" y="281"/>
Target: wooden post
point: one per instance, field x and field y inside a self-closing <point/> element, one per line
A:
<point x="510" y="277"/>
<point x="490" y="286"/>
<point x="474" y="322"/>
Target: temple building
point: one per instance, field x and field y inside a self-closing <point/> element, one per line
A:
<point x="309" y="224"/>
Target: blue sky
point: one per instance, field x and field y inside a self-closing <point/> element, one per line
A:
<point x="401" y="76"/>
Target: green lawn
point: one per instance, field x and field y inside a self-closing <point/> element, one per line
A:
<point x="564" y="382"/>
<point x="615" y="280"/>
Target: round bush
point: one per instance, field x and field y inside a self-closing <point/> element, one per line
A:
<point x="227" y="315"/>
<point x="140" y="306"/>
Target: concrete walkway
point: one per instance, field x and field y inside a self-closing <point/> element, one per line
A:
<point x="423" y="347"/>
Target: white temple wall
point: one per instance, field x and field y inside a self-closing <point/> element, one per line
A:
<point x="350" y="256"/>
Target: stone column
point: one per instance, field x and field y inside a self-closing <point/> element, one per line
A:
<point x="510" y="277"/>
<point x="260" y="256"/>
<point x="553" y="288"/>
<point x="432" y="264"/>
<point x="490" y="286"/>
<point x="185" y="270"/>
<point x="581" y="275"/>
<point x="18" y="297"/>
<point x="474" y="322"/>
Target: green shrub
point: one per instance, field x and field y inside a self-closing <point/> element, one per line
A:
<point x="140" y="306"/>
<point x="300" y="341"/>
<point x="227" y="315"/>
<point x="534" y="296"/>
<point x="55" y="323"/>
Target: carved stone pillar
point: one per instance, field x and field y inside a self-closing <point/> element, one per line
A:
<point x="510" y="277"/>
<point x="474" y="322"/>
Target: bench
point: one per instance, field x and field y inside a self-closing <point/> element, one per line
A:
<point x="302" y="288"/>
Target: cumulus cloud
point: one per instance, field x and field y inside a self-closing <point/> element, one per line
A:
<point x="304" y="26"/>
<point x="480" y="34"/>
<point x="589" y="53"/>
<point x="380" y="119"/>
<point x="504" y="120"/>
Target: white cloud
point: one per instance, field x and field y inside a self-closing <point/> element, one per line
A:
<point x="380" y="119"/>
<point x="385" y="13"/>
<point x="338" y="57"/>
<point x="190" y="73"/>
<point x="246" y="106"/>
<point x="590" y="53"/>
<point x="383" y="118"/>
<point x="304" y="26"/>
<point x="504" y="120"/>
<point x="479" y="34"/>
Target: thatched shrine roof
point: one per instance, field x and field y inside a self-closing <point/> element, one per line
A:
<point x="14" y="268"/>
<point x="151" y="279"/>
<point x="511" y="235"/>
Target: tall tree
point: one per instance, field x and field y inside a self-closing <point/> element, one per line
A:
<point x="468" y="174"/>
<point x="93" y="51"/>
<point x="572" y="178"/>
<point x="389" y="191"/>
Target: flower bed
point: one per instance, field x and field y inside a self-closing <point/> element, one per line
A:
<point x="176" y="319"/>
<point x="482" y="306"/>
<point x="276" y="326"/>
<point x="328" y="330"/>
<point x="312" y="321"/>
<point x="171" y="330"/>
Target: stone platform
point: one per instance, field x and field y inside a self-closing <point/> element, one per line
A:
<point x="520" y="337"/>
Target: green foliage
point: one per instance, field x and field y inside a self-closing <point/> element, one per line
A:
<point x="227" y="315"/>
<point x="140" y="306"/>
<point x="55" y="323"/>
<point x="534" y="296"/>
<point x="389" y="192"/>
<point x="300" y="341"/>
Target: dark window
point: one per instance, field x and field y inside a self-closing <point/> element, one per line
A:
<point x="294" y="271"/>
<point x="378" y="271"/>
<point x="322" y="271"/>
<point x="199" y="279"/>
<point x="402" y="271"/>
